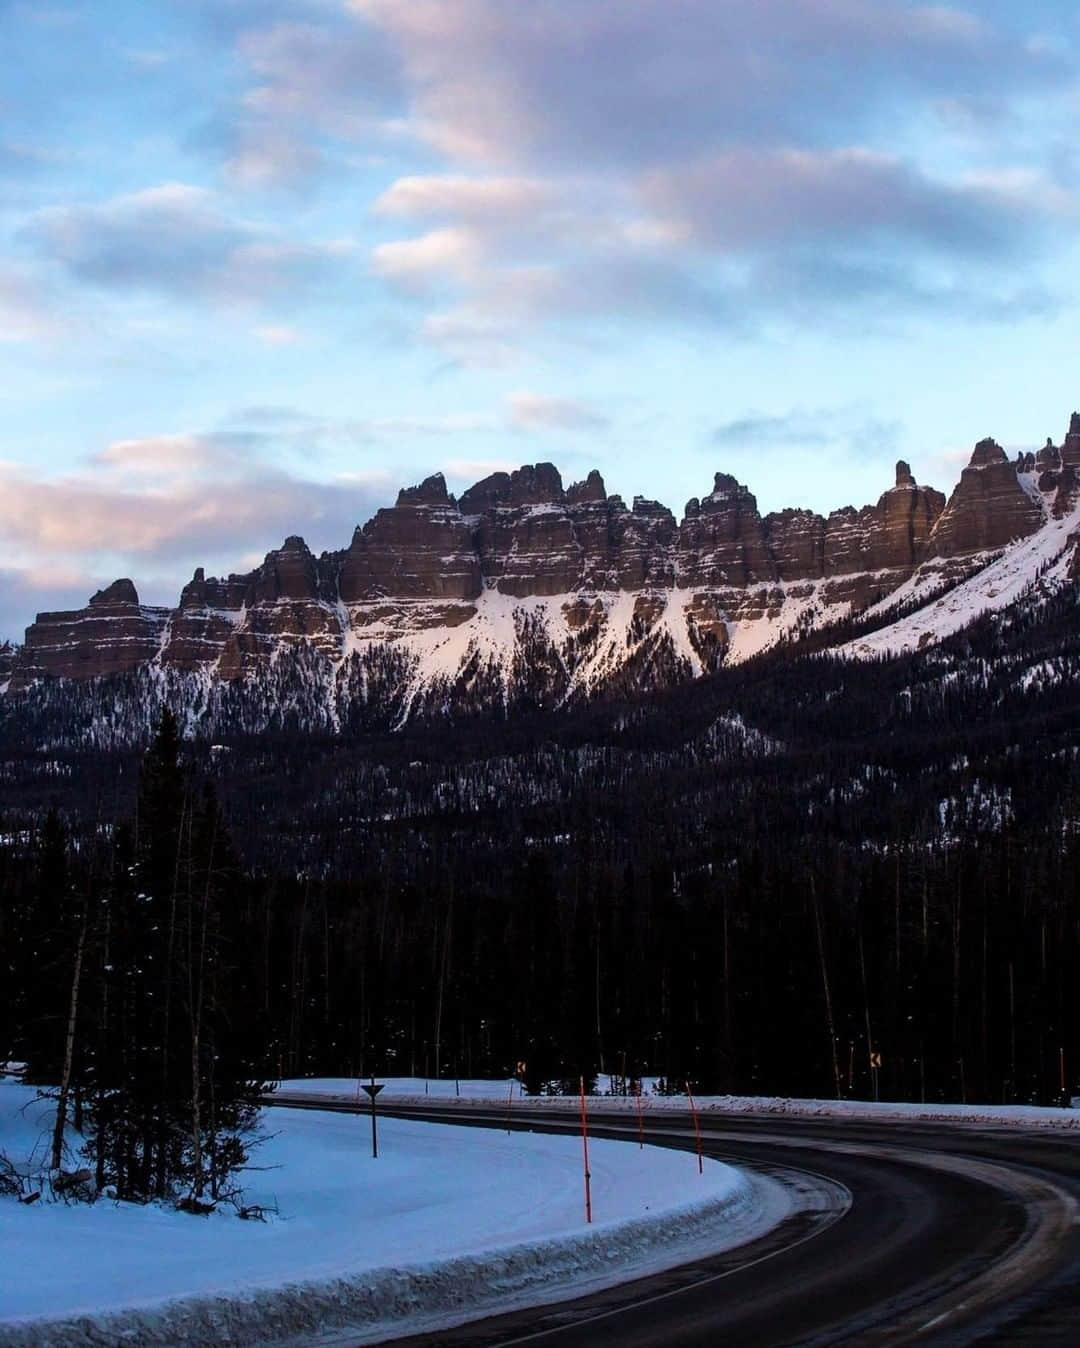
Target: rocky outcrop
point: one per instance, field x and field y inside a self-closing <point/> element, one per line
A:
<point x="722" y="542"/>
<point x="989" y="509"/>
<point x="1070" y="450"/>
<point x="524" y="535"/>
<point x="1058" y="471"/>
<point x="208" y="612"/>
<point x="413" y="564"/>
<point x="289" y="599"/>
<point x="112" y="635"/>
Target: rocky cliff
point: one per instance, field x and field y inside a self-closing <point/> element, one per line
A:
<point x="524" y="586"/>
<point x="112" y="634"/>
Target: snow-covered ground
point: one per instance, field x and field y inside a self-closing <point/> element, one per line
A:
<point x="415" y="1090"/>
<point x="446" y="1224"/>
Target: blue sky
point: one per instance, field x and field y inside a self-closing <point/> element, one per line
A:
<point x="264" y="261"/>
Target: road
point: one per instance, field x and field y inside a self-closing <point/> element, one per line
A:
<point x="955" y="1235"/>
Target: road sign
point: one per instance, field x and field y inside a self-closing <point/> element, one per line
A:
<point x="371" y="1090"/>
<point x="875" y="1060"/>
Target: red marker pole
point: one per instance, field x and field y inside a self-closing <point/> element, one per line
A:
<point x="697" y="1130"/>
<point x="585" y="1148"/>
<point x="640" y="1120"/>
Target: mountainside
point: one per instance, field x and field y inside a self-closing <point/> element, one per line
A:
<point x="526" y="593"/>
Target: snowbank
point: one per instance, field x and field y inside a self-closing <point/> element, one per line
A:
<point x="411" y="1091"/>
<point x="506" y="1090"/>
<point x="447" y="1224"/>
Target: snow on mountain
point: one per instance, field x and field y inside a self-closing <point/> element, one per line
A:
<point x="1037" y="565"/>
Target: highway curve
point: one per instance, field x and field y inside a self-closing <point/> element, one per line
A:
<point x="956" y="1235"/>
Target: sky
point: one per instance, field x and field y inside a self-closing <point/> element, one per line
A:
<point x="262" y="262"/>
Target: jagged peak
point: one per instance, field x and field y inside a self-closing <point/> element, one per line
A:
<point x="727" y="488"/>
<point x="294" y="543"/>
<point x="119" y="592"/>
<point x="645" y="505"/>
<point x="432" y="491"/>
<point x="592" y="489"/>
<point x="1074" y="424"/>
<point x="531" y="484"/>
<point x="986" y="452"/>
<point x="726" y="485"/>
<point x="536" y="484"/>
<point x="490" y="491"/>
<point x="904" y="475"/>
<point x="1049" y="457"/>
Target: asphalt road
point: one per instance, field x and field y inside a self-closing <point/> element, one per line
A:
<point x="955" y="1235"/>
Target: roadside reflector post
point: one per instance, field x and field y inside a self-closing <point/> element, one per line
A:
<point x="585" y="1150"/>
<point x="697" y="1130"/>
<point x="372" y="1091"/>
<point x="509" y="1107"/>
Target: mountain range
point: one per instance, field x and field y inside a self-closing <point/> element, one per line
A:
<point x="523" y="591"/>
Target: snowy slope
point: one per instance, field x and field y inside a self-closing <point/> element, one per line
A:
<point x="1041" y="561"/>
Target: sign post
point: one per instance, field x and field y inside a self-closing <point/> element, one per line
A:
<point x="371" y="1091"/>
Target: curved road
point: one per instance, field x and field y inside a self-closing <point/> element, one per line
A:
<point x="956" y="1235"/>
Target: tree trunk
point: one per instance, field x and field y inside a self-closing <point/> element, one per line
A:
<point x="829" y="1022"/>
<point x="69" y="1048"/>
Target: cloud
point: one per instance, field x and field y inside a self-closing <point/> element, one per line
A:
<point x="477" y="200"/>
<point x="76" y="516"/>
<point x="160" y="504"/>
<point x="420" y="264"/>
<point x="333" y="73"/>
<point x="846" y="430"/>
<point x="533" y="411"/>
<point x="616" y="83"/>
<point x="177" y="456"/>
<point x="177" y="240"/>
<point x="651" y="159"/>
<point x="760" y="430"/>
<point x="309" y="83"/>
<point x="754" y="199"/>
